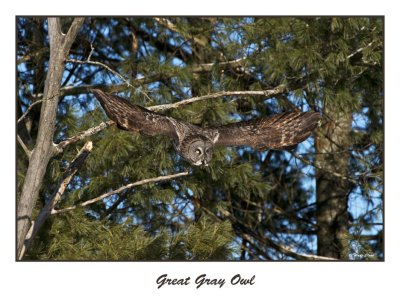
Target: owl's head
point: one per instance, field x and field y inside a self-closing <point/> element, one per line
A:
<point x="197" y="150"/>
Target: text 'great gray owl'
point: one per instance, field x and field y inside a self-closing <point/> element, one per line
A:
<point x="195" y="144"/>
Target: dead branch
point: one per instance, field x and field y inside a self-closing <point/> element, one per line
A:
<point x="338" y="175"/>
<point x="73" y="30"/>
<point x="359" y="50"/>
<point x="127" y="83"/>
<point x="61" y="187"/>
<point x="24" y="147"/>
<point x="248" y="234"/>
<point x="288" y="251"/>
<point x="82" y="135"/>
<point x="267" y="93"/>
<point x="113" y="192"/>
<point x="206" y="67"/>
<point x="29" y="109"/>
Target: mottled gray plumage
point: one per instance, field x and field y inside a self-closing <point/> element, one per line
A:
<point x="195" y="144"/>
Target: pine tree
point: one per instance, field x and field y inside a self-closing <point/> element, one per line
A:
<point x="322" y="200"/>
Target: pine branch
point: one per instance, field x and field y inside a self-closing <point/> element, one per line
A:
<point x="277" y="90"/>
<point x="113" y="192"/>
<point x="62" y="185"/>
<point x="171" y="26"/>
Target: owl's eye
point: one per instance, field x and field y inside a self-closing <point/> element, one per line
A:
<point x="198" y="151"/>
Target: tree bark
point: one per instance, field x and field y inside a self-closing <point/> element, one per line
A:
<point x="332" y="191"/>
<point x="56" y="197"/>
<point x="60" y="45"/>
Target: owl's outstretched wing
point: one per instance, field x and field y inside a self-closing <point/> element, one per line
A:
<point x="136" y="118"/>
<point x="281" y="131"/>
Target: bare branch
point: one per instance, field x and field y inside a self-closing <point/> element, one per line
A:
<point x="84" y="89"/>
<point x="105" y="67"/>
<point x="113" y="192"/>
<point x="72" y="32"/>
<point x="279" y="89"/>
<point x="24" y="147"/>
<point x="359" y="50"/>
<point x="338" y="175"/>
<point x="335" y="174"/>
<point x="288" y="251"/>
<point x="29" y="109"/>
<point x="248" y="234"/>
<point x="206" y="67"/>
<point x="82" y="135"/>
<point x="62" y="185"/>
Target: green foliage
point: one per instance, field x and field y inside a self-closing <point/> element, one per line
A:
<point x="202" y="241"/>
<point x="84" y="238"/>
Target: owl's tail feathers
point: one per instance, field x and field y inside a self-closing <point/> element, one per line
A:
<point x="299" y="129"/>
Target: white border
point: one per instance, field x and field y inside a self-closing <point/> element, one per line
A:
<point x="133" y="284"/>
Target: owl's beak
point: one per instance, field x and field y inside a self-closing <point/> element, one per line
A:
<point x="204" y="163"/>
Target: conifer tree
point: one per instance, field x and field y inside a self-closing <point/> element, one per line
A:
<point x="131" y="197"/>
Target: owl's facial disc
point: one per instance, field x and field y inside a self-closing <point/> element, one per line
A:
<point x="199" y="153"/>
<point x="200" y="156"/>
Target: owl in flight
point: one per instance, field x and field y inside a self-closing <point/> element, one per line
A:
<point x="195" y="144"/>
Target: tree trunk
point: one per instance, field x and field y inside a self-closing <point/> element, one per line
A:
<point x="332" y="191"/>
<point x="43" y="151"/>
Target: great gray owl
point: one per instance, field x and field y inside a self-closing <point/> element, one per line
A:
<point x="195" y="144"/>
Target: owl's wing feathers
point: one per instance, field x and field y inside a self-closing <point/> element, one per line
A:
<point x="281" y="131"/>
<point x="138" y="119"/>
